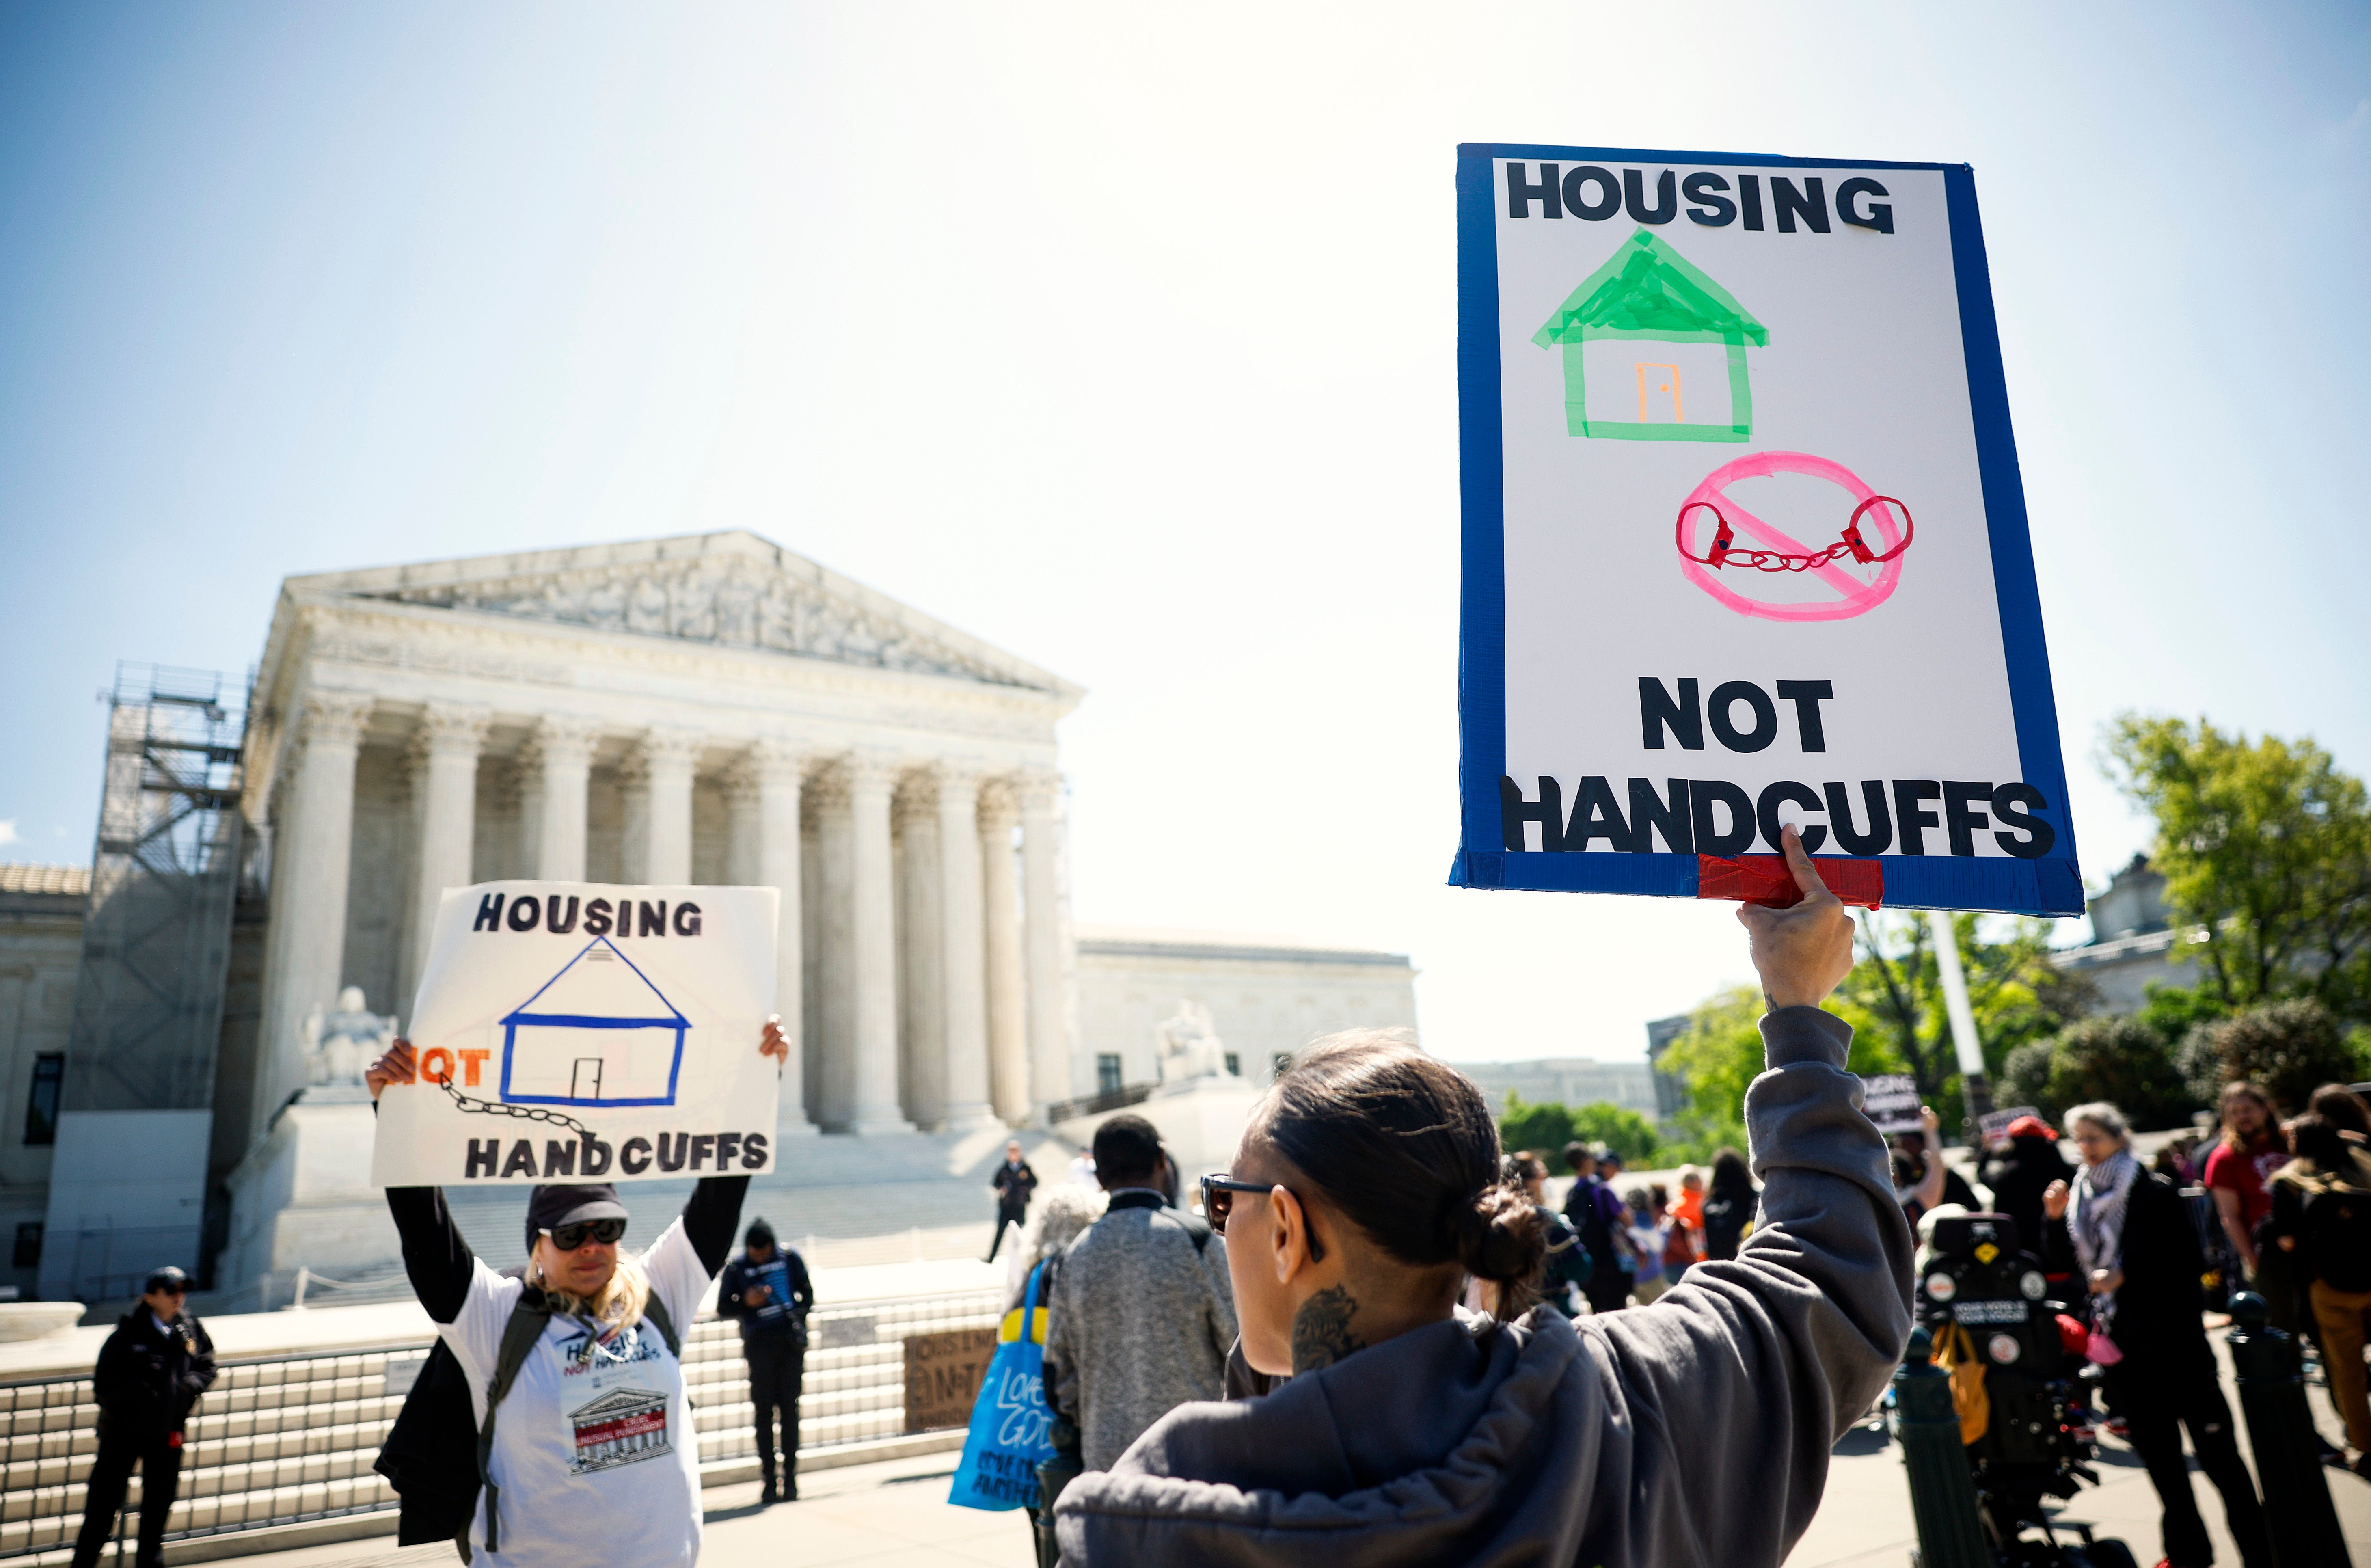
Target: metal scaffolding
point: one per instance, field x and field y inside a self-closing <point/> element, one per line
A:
<point x="155" y="945"/>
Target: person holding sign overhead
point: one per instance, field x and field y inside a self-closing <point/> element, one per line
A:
<point x="1366" y="1188"/>
<point x="585" y="1446"/>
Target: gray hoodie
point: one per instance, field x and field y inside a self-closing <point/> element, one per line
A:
<point x="1694" y="1431"/>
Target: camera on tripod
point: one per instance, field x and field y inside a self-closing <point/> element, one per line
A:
<point x="2021" y="1385"/>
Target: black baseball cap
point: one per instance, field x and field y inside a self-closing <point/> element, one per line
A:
<point x="549" y="1208"/>
<point x="165" y="1278"/>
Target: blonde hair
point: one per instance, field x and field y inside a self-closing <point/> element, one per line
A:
<point x="621" y="1301"/>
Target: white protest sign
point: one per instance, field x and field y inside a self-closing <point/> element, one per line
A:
<point x="1745" y="545"/>
<point x="578" y="1031"/>
<point x="1890" y="1099"/>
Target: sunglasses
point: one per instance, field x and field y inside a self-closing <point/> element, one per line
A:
<point x="1219" y="1200"/>
<point x="568" y="1237"/>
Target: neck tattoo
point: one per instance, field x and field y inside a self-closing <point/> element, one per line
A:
<point x="1321" y="1329"/>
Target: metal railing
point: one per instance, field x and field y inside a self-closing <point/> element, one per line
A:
<point x="288" y="1439"/>
<point x="1096" y="1104"/>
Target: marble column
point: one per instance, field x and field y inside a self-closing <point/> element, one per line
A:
<point x="742" y="829"/>
<point x="668" y="756"/>
<point x="1041" y="901"/>
<point x="963" y="952"/>
<point x="872" y="921"/>
<point x="560" y="758"/>
<point x="1008" y="1036"/>
<point x="835" y="947"/>
<point x="311" y="862"/>
<point x="775" y="771"/>
<point x="445" y="778"/>
<point x="634" y="819"/>
<point x="921" y="994"/>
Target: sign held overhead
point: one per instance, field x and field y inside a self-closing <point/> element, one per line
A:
<point x="577" y="1032"/>
<point x="1745" y="546"/>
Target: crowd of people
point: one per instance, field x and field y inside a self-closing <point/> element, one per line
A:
<point x="1375" y="1339"/>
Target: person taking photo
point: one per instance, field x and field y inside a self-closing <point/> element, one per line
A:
<point x="588" y="1447"/>
<point x="1367" y="1187"/>
<point x="768" y="1291"/>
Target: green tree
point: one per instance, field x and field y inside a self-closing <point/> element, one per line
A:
<point x="1716" y="1059"/>
<point x="2265" y="846"/>
<point x="1623" y="1131"/>
<point x="1894" y="997"/>
<point x="1543" y="1127"/>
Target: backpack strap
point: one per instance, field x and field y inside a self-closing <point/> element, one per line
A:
<point x="530" y="1315"/>
<point x="654" y="1313"/>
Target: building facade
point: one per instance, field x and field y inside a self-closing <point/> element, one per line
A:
<point x="1268" y="997"/>
<point x="1569" y="1080"/>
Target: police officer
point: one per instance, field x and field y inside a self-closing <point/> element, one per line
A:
<point x="767" y="1289"/>
<point x="151" y="1371"/>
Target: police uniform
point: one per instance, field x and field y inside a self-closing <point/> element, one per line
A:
<point x="150" y="1373"/>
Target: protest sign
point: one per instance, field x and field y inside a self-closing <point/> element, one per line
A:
<point x="1993" y="1126"/>
<point x="1890" y="1099"/>
<point x="577" y="1032"/>
<point x="1744" y="540"/>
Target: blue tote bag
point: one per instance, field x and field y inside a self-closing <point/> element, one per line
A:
<point x="1010" y="1434"/>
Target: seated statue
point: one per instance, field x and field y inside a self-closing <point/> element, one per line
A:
<point x="340" y="1044"/>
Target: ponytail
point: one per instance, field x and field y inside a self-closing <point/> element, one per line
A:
<point x="1404" y="1148"/>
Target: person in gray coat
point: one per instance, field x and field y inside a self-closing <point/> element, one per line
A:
<point x="1691" y="1432"/>
<point x="1142" y="1313"/>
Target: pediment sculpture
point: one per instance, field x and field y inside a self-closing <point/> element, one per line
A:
<point x="732" y="601"/>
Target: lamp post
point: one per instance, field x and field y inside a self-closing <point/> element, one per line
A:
<point x="1970" y="1050"/>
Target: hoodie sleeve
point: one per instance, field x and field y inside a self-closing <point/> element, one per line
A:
<point x="1736" y="1381"/>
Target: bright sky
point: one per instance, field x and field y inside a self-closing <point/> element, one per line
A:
<point x="1123" y="338"/>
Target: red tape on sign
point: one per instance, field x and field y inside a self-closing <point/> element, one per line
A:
<point x="1765" y="879"/>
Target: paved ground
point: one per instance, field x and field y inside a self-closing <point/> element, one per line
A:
<point x="895" y="1514"/>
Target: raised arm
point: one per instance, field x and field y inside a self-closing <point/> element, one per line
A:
<point x="434" y="1255"/>
<point x="1739" y="1380"/>
<point x="711" y="1217"/>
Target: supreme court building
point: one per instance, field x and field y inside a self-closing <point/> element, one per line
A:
<point x="701" y="710"/>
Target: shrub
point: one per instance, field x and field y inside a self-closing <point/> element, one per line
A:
<point x="1546" y="1128"/>
<point x="2024" y="1078"/>
<point x="2287" y="1049"/>
<point x="1543" y="1128"/>
<point x="2121" y="1060"/>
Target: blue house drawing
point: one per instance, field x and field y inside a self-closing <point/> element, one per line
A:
<point x="597" y="1033"/>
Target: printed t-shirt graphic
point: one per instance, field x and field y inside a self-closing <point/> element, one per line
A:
<point x="613" y="1400"/>
<point x="586" y="1475"/>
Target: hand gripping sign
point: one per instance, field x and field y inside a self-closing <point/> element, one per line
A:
<point x="1744" y="543"/>
<point x="573" y="1031"/>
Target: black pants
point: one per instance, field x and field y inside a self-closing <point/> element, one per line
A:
<point x="2157" y="1401"/>
<point x="1006" y="1213"/>
<point x="110" y="1476"/>
<point x="778" y="1366"/>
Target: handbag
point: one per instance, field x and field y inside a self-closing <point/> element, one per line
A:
<point x="1010" y="1426"/>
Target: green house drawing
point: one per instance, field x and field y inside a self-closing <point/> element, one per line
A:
<point x="1640" y="338"/>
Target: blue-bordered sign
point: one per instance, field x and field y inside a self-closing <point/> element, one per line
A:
<point x="1744" y="540"/>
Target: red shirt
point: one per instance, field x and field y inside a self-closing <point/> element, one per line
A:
<point x="2246" y="1175"/>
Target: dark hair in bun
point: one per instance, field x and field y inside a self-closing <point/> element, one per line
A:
<point x="1405" y="1146"/>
